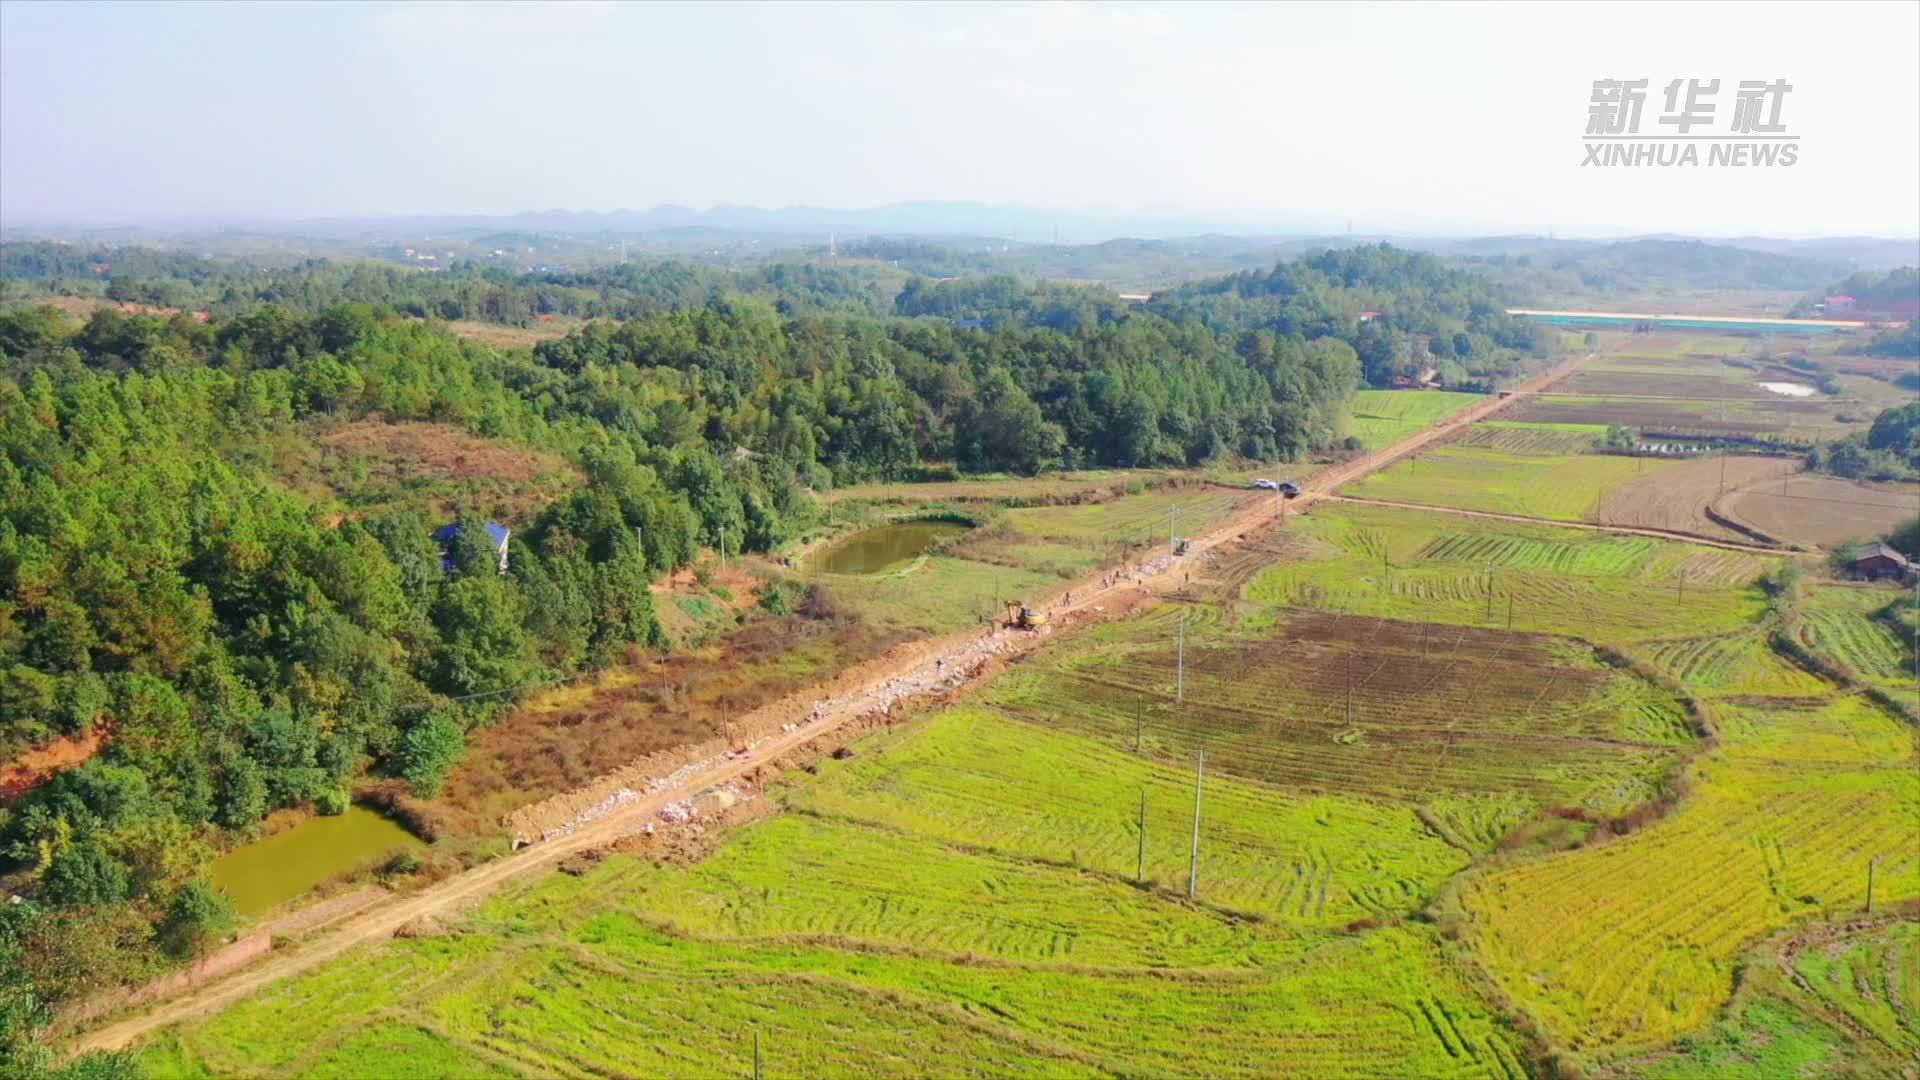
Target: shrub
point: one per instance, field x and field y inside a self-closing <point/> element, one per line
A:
<point x="196" y="917"/>
<point x="331" y="802"/>
<point x="428" y="750"/>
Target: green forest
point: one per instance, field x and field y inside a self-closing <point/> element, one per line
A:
<point x="245" y="648"/>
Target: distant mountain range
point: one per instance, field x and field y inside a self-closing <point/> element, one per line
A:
<point x="956" y="222"/>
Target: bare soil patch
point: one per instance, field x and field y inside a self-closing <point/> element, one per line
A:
<point x="1821" y="510"/>
<point x="35" y="767"/>
<point x="1677" y="496"/>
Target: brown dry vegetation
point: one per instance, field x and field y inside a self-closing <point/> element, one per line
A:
<point x="565" y="737"/>
<point x="1822" y="510"/>
<point x="1677" y="496"/>
<point x="372" y="461"/>
<point x="500" y="336"/>
<point x="1436" y="710"/>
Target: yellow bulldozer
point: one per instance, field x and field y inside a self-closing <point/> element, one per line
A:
<point x="1022" y="617"/>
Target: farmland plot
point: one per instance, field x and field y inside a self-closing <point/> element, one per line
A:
<point x="1384" y="416"/>
<point x="1288" y="855"/>
<point x="1803" y="419"/>
<point x="1677" y="496"/>
<point x="811" y="931"/>
<point x="1634" y="942"/>
<point x="1557" y="486"/>
<point x="1404" y="564"/>
<point x="1483" y="725"/>
<point x="1848" y="624"/>
<point x="1822" y="510"/>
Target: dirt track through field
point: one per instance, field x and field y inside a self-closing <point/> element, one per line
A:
<point x="938" y="668"/>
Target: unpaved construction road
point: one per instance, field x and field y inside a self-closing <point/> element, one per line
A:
<point x="950" y="662"/>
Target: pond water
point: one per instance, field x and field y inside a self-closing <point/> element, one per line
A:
<point x="282" y="866"/>
<point x="875" y="550"/>
<point x="1791" y="389"/>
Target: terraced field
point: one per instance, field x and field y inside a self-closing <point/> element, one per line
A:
<point x="1741" y="663"/>
<point x="1429" y="846"/>
<point x="1872" y="980"/>
<point x="1634" y="942"/>
<point x="1409" y="565"/>
<point x="1311" y="858"/>
<point x="866" y="932"/>
<point x="1460" y="715"/>
<point x="1848" y="624"/>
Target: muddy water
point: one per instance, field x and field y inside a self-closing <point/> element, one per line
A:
<point x="887" y="547"/>
<point x="282" y="866"/>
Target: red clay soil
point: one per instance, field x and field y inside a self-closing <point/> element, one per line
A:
<point x="33" y="768"/>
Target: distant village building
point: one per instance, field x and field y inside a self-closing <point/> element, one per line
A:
<point x="1877" y="562"/>
<point x="1369" y="316"/>
<point x="496" y="533"/>
<point x="1838" y="304"/>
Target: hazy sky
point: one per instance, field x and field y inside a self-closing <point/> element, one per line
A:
<point x="1464" y="118"/>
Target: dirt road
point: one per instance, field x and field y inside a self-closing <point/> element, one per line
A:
<point x="949" y="663"/>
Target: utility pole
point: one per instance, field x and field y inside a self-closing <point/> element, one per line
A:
<point x="723" y="545"/>
<point x="1489" y="590"/>
<point x="756" y="1054"/>
<point x="1349" y="688"/>
<point x="1180" y="662"/>
<point x="1509" y="611"/>
<point x="1139" y="725"/>
<point x="1140" y="868"/>
<point x="1680" y="588"/>
<point x="1193" y="863"/>
<point x="1171" y="507"/>
<point x="1871" y="864"/>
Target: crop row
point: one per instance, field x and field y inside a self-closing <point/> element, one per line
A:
<point x="1635" y="941"/>
<point x="1860" y="641"/>
<point x="973" y="778"/>
<point x="1874" y="980"/>
<point x="1741" y="663"/>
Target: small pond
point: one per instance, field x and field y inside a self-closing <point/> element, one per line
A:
<point x="875" y="550"/>
<point x="282" y="866"/>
